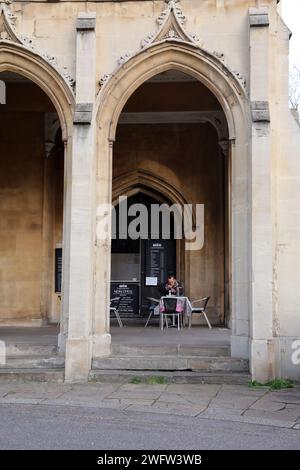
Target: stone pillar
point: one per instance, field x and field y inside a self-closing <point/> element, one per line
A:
<point x="262" y="343"/>
<point x="79" y="341"/>
<point x="2" y="92"/>
<point x="102" y="337"/>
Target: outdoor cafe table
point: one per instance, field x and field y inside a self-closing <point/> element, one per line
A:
<point x="183" y="305"/>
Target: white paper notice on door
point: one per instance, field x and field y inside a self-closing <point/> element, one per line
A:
<point x="151" y="281"/>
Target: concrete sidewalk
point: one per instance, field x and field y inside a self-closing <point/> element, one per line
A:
<point x="237" y="403"/>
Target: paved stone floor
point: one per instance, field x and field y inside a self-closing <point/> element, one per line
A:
<point x="46" y="335"/>
<point x="237" y="403"/>
<point x="153" y="336"/>
<point x="129" y="335"/>
<point x="141" y="416"/>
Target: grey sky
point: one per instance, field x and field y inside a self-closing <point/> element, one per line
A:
<point x="291" y="15"/>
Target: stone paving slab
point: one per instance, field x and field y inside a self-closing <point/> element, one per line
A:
<point x="268" y="405"/>
<point x="4" y="389"/>
<point x="293" y="407"/>
<point x="195" y="389"/>
<point x="219" y="412"/>
<point x="81" y="391"/>
<point x="281" y="415"/>
<point x="235" y="402"/>
<point x="241" y="390"/>
<point x="290" y="396"/>
<point x="164" y="408"/>
<point x="127" y="402"/>
<point x="137" y="394"/>
<point x="189" y="399"/>
<point x="37" y="390"/>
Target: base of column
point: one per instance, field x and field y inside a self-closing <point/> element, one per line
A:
<point x="62" y="342"/>
<point x="101" y="345"/>
<point x="240" y="346"/>
<point x="263" y="360"/>
<point x="78" y="360"/>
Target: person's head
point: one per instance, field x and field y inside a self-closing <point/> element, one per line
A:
<point x="172" y="279"/>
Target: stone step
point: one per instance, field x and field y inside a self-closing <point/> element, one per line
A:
<point x="180" y="377"/>
<point x="29" y="349"/>
<point x="196" y="363"/>
<point x="169" y="350"/>
<point x="33" y="362"/>
<point x="31" y="375"/>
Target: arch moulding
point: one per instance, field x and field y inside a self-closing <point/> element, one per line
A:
<point x="23" y="61"/>
<point x="166" y="54"/>
<point x="132" y="180"/>
<point x="20" y="59"/>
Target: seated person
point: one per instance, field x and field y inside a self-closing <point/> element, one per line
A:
<point x="171" y="287"/>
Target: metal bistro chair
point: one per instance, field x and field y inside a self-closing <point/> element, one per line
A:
<point x="170" y="305"/>
<point x="153" y="305"/>
<point x="114" y="306"/>
<point x="200" y="309"/>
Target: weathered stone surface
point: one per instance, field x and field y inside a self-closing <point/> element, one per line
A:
<point x="86" y="22"/>
<point x="263" y="261"/>
<point x="259" y="17"/>
<point x="260" y="111"/>
<point x="83" y="113"/>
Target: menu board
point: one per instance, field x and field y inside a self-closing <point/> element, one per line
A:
<point x="58" y="270"/>
<point x="129" y="293"/>
<point x="156" y="260"/>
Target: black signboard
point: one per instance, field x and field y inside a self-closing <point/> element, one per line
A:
<point x="58" y="270"/>
<point x="129" y="293"/>
<point x="156" y="260"/>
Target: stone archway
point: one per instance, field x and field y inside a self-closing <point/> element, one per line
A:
<point x="158" y="188"/>
<point x="21" y="60"/>
<point x="145" y="179"/>
<point x="15" y="57"/>
<point x="208" y="69"/>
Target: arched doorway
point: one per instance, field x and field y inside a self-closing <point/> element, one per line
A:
<point x="32" y="182"/>
<point x="213" y="75"/>
<point x="130" y="268"/>
<point x="36" y="123"/>
<point x="171" y="135"/>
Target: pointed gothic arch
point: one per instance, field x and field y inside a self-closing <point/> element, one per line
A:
<point x="26" y="61"/>
<point x="139" y="178"/>
<point x="177" y="55"/>
<point x="21" y="60"/>
<point x="157" y="57"/>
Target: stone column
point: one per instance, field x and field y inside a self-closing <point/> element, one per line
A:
<point x="81" y="226"/>
<point x="2" y="92"/>
<point x="262" y="342"/>
<point x="102" y="337"/>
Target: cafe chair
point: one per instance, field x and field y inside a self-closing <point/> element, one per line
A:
<point x="199" y="306"/>
<point x="153" y="304"/>
<point x="114" y="308"/>
<point x="169" y="309"/>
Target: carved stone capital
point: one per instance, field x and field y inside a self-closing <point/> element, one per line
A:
<point x="86" y="22"/>
<point x="260" y="111"/>
<point x="83" y="113"/>
<point x="258" y="17"/>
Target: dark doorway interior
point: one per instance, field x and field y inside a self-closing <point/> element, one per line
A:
<point x="140" y="266"/>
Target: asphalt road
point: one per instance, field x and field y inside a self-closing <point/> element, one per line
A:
<point x="67" y="427"/>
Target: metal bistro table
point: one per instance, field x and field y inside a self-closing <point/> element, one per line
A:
<point x="183" y="305"/>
